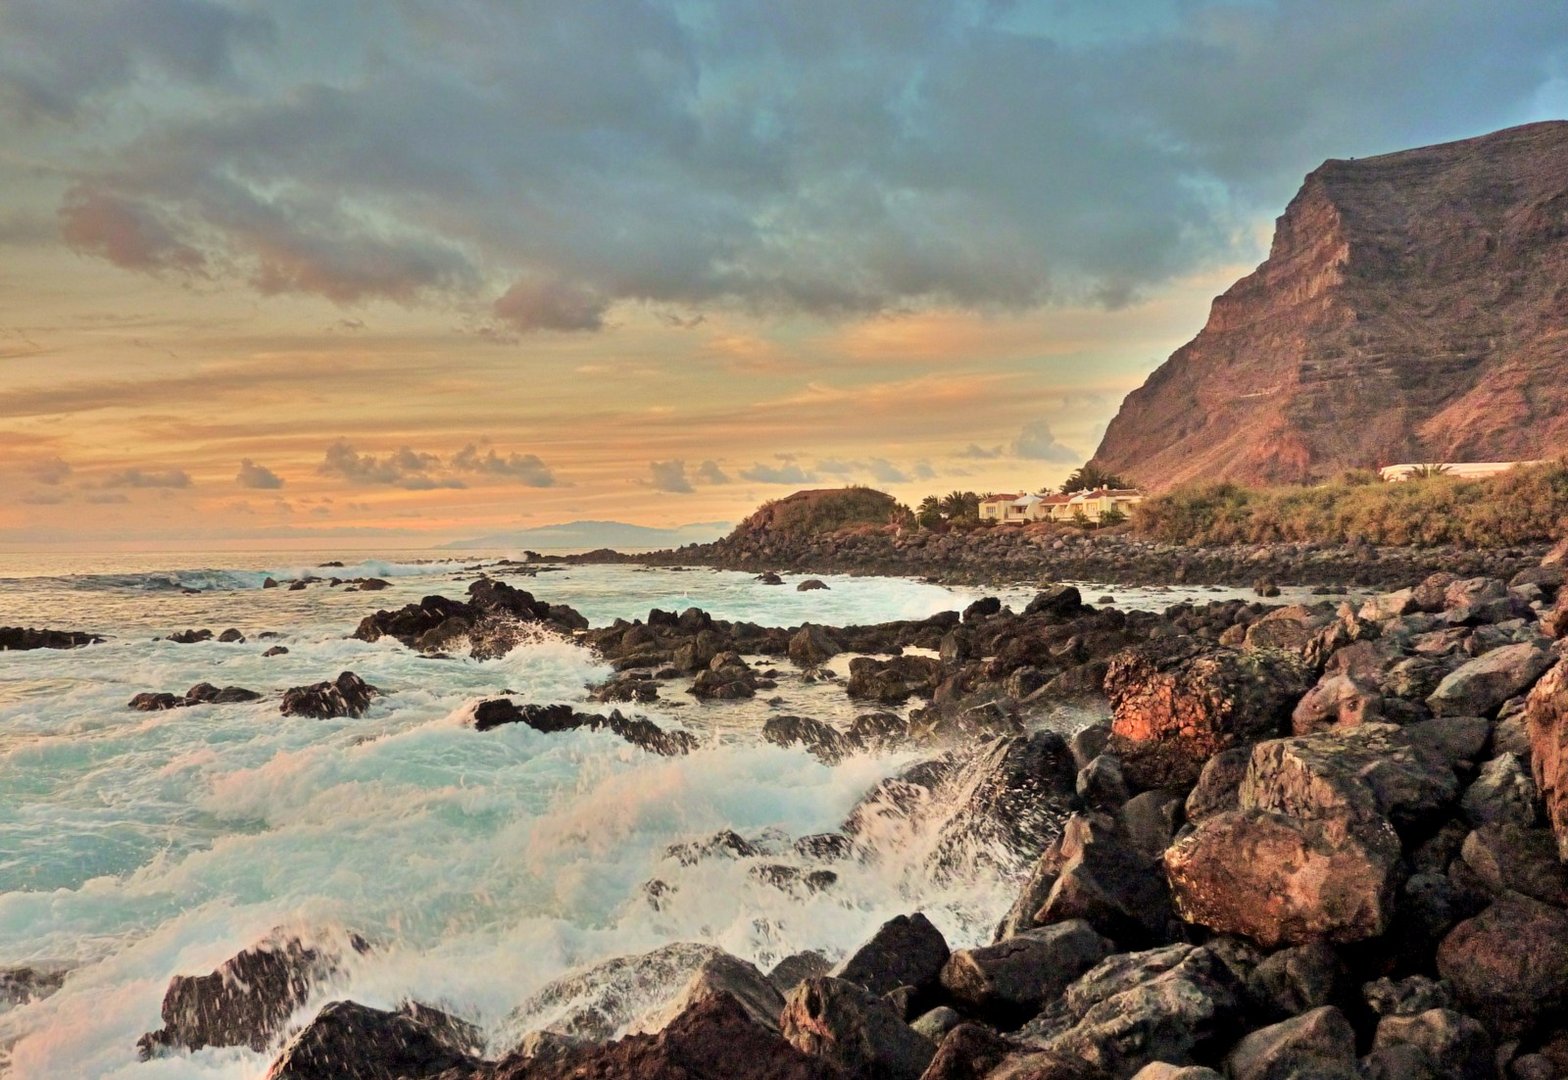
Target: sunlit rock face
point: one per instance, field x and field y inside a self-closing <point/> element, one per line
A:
<point x="1408" y="311"/>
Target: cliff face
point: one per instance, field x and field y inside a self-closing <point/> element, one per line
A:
<point x="1413" y="307"/>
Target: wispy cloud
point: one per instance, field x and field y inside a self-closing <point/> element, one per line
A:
<point x="256" y="476"/>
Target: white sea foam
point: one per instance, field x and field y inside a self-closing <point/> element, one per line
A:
<point x="137" y="846"/>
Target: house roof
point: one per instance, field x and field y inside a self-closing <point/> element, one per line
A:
<point x="1056" y="500"/>
<point x="999" y="498"/>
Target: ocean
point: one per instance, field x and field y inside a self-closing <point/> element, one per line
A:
<point x="137" y="846"/>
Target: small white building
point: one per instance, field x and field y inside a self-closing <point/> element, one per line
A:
<point x="1463" y="470"/>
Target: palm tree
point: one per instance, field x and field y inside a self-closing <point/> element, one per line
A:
<point x="1091" y="477"/>
<point x="929" y="512"/>
<point x="959" y="504"/>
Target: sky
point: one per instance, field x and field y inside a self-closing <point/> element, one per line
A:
<point x="343" y="272"/>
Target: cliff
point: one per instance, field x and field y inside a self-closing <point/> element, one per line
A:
<point x="1413" y="307"/>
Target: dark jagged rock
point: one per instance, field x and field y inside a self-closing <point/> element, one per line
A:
<point x="820" y="740"/>
<point x="1546" y="715"/>
<point x="639" y="731"/>
<point x="23" y="985"/>
<point x="905" y="951"/>
<point x="189" y="637"/>
<point x="18" y="638"/>
<point x="1509" y="965"/>
<point x="245" y="1001"/>
<point x="812" y="646"/>
<point x="347" y="695"/>
<point x="853" y="1029"/>
<point x="200" y="694"/>
<point x="1320" y="1044"/>
<point x="715" y="1039"/>
<point x="892" y="681"/>
<point x="968" y="1052"/>
<point x="1011" y="981"/>
<point x="486" y="620"/>
<point x="350" y="1041"/>
<point x="796" y="968"/>
<point x="812" y="585"/>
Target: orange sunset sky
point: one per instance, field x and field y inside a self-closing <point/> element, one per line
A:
<point x="348" y="274"/>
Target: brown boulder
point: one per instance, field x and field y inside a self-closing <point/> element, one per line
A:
<point x="1179" y="702"/>
<point x="1284" y="881"/>
<point x="1546" y="715"/>
<point x="853" y="1029"/>
<point x="1509" y="964"/>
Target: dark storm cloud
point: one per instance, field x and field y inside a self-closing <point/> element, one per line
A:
<point x="543" y="162"/>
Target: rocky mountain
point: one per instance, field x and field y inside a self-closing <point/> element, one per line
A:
<point x="1413" y="307"/>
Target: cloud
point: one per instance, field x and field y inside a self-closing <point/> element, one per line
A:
<point x="527" y="469"/>
<point x="670" y="476"/>
<point x="252" y="475"/>
<point x="44" y="498"/>
<point x="51" y="471"/>
<point x="924" y="471"/>
<point x="885" y="472"/>
<point x="550" y="160"/>
<point x="550" y="305"/>
<point x="975" y="452"/>
<point x="404" y="468"/>
<point x="107" y="497"/>
<point x="879" y="469"/>
<point x="784" y="473"/>
<point x="136" y="477"/>
<point x="1036" y="443"/>
<point x="710" y="473"/>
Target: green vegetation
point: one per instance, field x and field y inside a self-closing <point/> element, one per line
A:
<point x="1090" y="477"/>
<point x="1524" y="506"/>
<point x="808" y="513"/>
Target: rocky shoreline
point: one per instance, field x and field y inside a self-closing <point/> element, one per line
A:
<point x="1005" y="555"/>
<point x="1306" y="841"/>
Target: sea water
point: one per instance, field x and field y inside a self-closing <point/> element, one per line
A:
<point x="136" y="846"/>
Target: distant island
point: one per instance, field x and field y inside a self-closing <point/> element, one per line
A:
<point x="586" y="535"/>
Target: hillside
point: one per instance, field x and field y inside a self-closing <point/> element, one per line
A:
<point x="1413" y="307"/>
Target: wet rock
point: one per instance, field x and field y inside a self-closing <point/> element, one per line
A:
<point x="269" y="583"/>
<point x="1546" y="716"/>
<point x="1446" y="1044"/>
<point x="232" y="636"/>
<point x="276" y="650"/>
<point x="1509" y="857"/>
<point x="1100" y="783"/>
<point x="716" y="1039"/>
<point x="811" y="585"/>
<point x="24" y="985"/>
<point x="792" y="879"/>
<point x="1319" y="1044"/>
<point x="1284" y="881"/>
<point x="813" y="646"/>
<point x="878" y="731"/>
<point x="1089" y="743"/>
<point x="1009" y="982"/>
<point x="596" y="1002"/>
<point x="149" y="702"/>
<point x="822" y="741"/>
<point x="1406" y="997"/>
<point x="725" y="974"/>
<point x="1503" y="793"/>
<point x="728" y="678"/>
<point x="1176" y="1004"/>
<point x="905" y="951"/>
<point x="207" y="694"/>
<point x="190" y="637"/>
<point x="982" y="609"/>
<point x="245" y="1002"/>
<point x="1179" y="702"/>
<point x="1509" y="965"/>
<point x="892" y="681"/>
<point x="1059" y="601"/>
<point x="849" y="1027"/>
<point x="347" y="695"/>
<point x="638" y="731"/>
<point x="825" y="847"/>
<point x="350" y="1041"/>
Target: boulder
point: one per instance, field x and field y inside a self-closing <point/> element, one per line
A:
<point x="1503" y="793"/>
<point x="1104" y="880"/>
<point x="1175" y="1004"/>
<point x="967" y="1052"/>
<point x="1480" y="686"/>
<point x="1447" y="1044"/>
<point x="1298" y="979"/>
<point x="1283" y="881"/>
<point x="1059" y="601"/>
<point x="1150" y="820"/>
<point x="1338" y="700"/>
<point x="935" y="1023"/>
<point x="846" y="1025"/>
<point x="796" y="968"/>
<point x="1011" y="981"/>
<point x="715" y="1039"/>
<point x="597" y="1002"/>
<point x="1546" y="715"/>
<point x="1219" y="784"/>
<point x="1509" y="964"/>
<point x="892" y="681"/>
<point x="1161" y="1070"/>
<point x="347" y="695"/>
<point x="811" y="585"/>
<point x="1367" y="772"/>
<point x="725" y="974"/>
<point x="1178" y="702"/>
<point x="812" y="646"/>
<point x="1509" y="857"/>
<point x="1291" y="628"/>
<point x="1409" y="996"/>
<point x="1319" y="1044"/>
<point x="822" y="741"/>
<point x="905" y="951"/>
<point x="350" y="1041"/>
<point x="1100" y="783"/>
<point x="245" y="1002"/>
